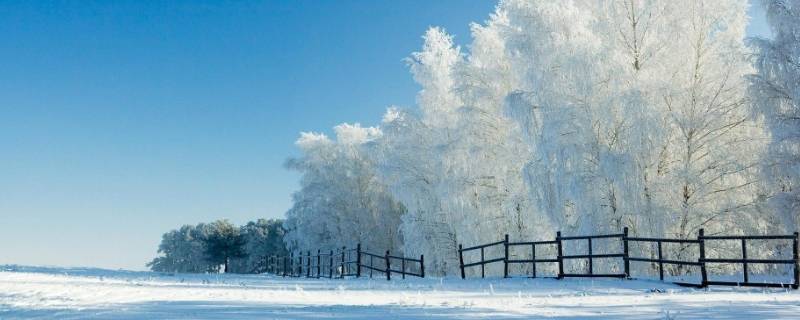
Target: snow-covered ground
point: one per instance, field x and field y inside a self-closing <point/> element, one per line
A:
<point x="78" y="293"/>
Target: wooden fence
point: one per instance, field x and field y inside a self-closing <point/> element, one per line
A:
<point x="343" y="263"/>
<point x="625" y="258"/>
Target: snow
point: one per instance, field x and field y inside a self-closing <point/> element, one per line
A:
<point x="84" y="293"/>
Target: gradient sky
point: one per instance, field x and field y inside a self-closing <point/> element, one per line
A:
<point x="121" y="120"/>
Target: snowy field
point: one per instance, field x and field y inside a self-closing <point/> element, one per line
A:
<point x="62" y="293"/>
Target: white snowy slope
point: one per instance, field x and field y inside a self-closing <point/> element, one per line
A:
<point x="75" y="293"/>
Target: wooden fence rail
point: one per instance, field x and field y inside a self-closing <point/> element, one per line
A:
<point x="343" y="263"/>
<point x="625" y="258"/>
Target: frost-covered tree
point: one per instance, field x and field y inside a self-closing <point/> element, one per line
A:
<point x="579" y="116"/>
<point x="219" y="246"/>
<point x="457" y="164"/>
<point x="624" y="130"/>
<point x="262" y="238"/>
<point x="776" y="93"/>
<point x="341" y="201"/>
<point x="183" y="250"/>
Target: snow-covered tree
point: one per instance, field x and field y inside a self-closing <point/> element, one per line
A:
<point x="261" y="238"/>
<point x="579" y="116"/>
<point x="183" y="250"/>
<point x="776" y="93"/>
<point x="341" y="202"/>
<point x="219" y="246"/>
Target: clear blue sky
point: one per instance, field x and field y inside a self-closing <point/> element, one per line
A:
<point x="121" y="120"/>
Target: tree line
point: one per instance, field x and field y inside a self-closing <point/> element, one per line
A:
<point x="578" y="116"/>
<point x="220" y="246"/>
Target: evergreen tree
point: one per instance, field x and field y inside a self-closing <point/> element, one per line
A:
<point x="223" y="243"/>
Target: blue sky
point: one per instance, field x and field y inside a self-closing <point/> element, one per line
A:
<point x="121" y="120"/>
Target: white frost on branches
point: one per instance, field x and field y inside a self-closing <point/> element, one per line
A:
<point x="579" y="116"/>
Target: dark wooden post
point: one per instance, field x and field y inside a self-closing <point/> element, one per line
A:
<point x="461" y="261"/>
<point x="308" y="264"/>
<point x="330" y="265"/>
<point x="358" y="260"/>
<point x="403" y="267"/>
<point x="422" y="264"/>
<point x="560" y="256"/>
<point x="483" y="266"/>
<point x="625" y="256"/>
<point x="342" y="263"/>
<point x="796" y="261"/>
<point x="300" y="264"/>
<point x="591" y="267"/>
<point x="388" y="268"/>
<point x="533" y="258"/>
<point x="660" y="263"/>
<point x="703" y="272"/>
<point x="319" y="263"/>
<point x="505" y="260"/>
<point x="285" y="266"/>
<point x="291" y="263"/>
<point x="744" y="263"/>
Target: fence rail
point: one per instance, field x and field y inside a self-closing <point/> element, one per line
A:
<point x="344" y="263"/>
<point x="483" y="262"/>
<point x="744" y="261"/>
<point x="626" y="258"/>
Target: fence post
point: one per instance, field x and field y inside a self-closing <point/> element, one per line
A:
<point x="403" y="267"/>
<point x="744" y="263"/>
<point x="626" y="262"/>
<point x="291" y="264"/>
<point x="660" y="263"/>
<point x="560" y="256"/>
<point x="703" y="273"/>
<point x="422" y="264"/>
<point x="342" y="263"/>
<point x="308" y="264"/>
<point x="796" y="283"/>
<point x="285" y="266"/>
<point x="330" y="265"/>
<point x="505" y="260"/>
<point x="358" y="260"/>
<point x="591" y="266"/>
<point x="533" y="257"/>
<point x="483" y="265"/>
<point x="300" y="264"/>
<point x="319" y="264"/>
<point x="461" y="261"/>
<point x="388" y="268"/>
